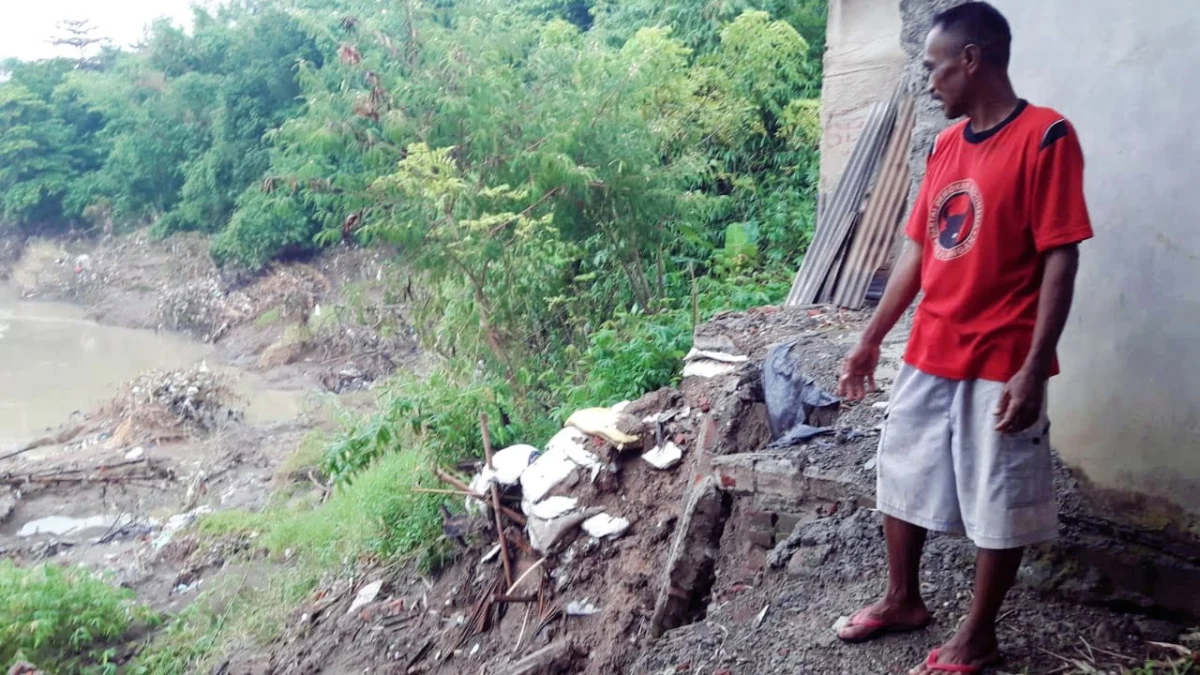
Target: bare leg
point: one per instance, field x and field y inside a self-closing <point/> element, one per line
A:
<point x="975" y="644"/>
<point x="902" y="606"/>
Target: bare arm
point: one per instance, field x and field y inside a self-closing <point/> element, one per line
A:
<point x="1021" y="402"/>
<point x="1054" y="304"/>
<point x="858" y="371"/>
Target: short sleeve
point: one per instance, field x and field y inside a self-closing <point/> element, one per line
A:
<point x="1058" y="210"/>
<point x="918" y="220"/>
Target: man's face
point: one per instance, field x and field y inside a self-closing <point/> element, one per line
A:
<point x="951" y="71"/>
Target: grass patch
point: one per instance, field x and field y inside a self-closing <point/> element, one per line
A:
<point x="269" y="317"/>
<point x="374" y="517"/>
<point x="64" y="619"/>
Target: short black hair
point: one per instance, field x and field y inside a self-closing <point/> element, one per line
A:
<point x="982" y="25"/>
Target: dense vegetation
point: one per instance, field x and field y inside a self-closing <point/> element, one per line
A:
<point x="569" y="185"/>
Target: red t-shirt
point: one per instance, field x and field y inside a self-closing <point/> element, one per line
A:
<point x="990" y="205"/>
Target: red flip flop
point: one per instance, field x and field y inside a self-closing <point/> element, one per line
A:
<point x="875" y="628"/>
<point x="932" y="663"/>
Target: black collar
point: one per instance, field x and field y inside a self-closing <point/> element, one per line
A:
<point x="979" y="137"/>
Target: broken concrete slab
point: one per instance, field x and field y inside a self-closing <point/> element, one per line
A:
<point x="544" y="535"/>
<point x="691" y="564"/>
<point x="604" y="526"/>
<point x="664" y="457"/>
<point x="550" y="507"/>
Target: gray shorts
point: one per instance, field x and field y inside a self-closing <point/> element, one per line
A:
<point x="943" y="466"/>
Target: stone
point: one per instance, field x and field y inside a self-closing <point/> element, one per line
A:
<point x="605" y="526"/>
<point x="664" y="457"/>
<point x="365" y="596"/>
<point x="808" y="560"/>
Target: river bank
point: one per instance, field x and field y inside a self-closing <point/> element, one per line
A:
<point x="154" y="388"/>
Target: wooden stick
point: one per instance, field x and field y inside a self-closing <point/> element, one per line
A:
<point x="466" y="491"/>
<point x="487" y="452"/>
<point x="524" y="576"/>
<point x="521" y="599"/>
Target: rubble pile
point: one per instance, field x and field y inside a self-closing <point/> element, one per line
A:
<point x="202" y="308"/>
<point x="196" y="400"/>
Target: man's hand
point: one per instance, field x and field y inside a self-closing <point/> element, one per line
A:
<point x="858" y="372"/>
<point x="1021" y="402"/>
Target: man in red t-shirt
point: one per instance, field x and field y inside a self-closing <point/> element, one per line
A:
<point x="994" y="232"/>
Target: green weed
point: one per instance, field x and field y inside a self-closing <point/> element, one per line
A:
<point x="64" y="619"/>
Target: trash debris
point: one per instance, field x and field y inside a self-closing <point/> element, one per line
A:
<point x="664" y="457"/>
<point x="491" y="555"/>
<point x="582" y="608"/>
<point x="135" y="454"/>
<point x="604" y="525"/>
<point x="365" y="596"/>
<point x="545" y="534"/>
<point x="605" y="423"/>
<point x="793" y="398"/>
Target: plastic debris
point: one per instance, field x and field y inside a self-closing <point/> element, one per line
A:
<point x="135" y="454"/>
<point x="365" y="596"/>
<point x="664" y="456"/>
<point x="604" y="525"/>
<point x="793" y="397"/>
<point x="604" y="423"/>
<point x="582" y="608"/>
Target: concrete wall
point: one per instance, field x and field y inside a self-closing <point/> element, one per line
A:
<point x="1127" y="408"/>
<point x="863" y="64"/>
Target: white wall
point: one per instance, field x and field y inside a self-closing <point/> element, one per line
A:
<point x="1127" y="407"/>
<point x="863" y="64"/>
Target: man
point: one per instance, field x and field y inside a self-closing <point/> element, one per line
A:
<point x="994" y="233"/>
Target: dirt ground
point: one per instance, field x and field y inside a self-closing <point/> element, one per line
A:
<point x="591" y="605"/>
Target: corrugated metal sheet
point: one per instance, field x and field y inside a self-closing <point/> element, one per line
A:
<point x="837" y="220"/>
<point x="874" y="238"/>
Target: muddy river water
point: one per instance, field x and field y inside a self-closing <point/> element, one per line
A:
<point x="54" y="363"/>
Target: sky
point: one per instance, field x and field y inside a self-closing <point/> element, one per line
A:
<point x="27" y="25"/>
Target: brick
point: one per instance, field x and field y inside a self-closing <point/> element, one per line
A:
<point x="779" y="477"/>
<point x="709" y="436"/>
<point x="762" y="539"/>
<point x="762" y="520"/>
<point x="786" y="522"/>
<point x="734" y="473"/>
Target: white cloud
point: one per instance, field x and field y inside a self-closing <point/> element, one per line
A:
<point x="26" y="26"/>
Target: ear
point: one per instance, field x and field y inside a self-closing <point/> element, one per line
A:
<point x="972" y="58"/>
